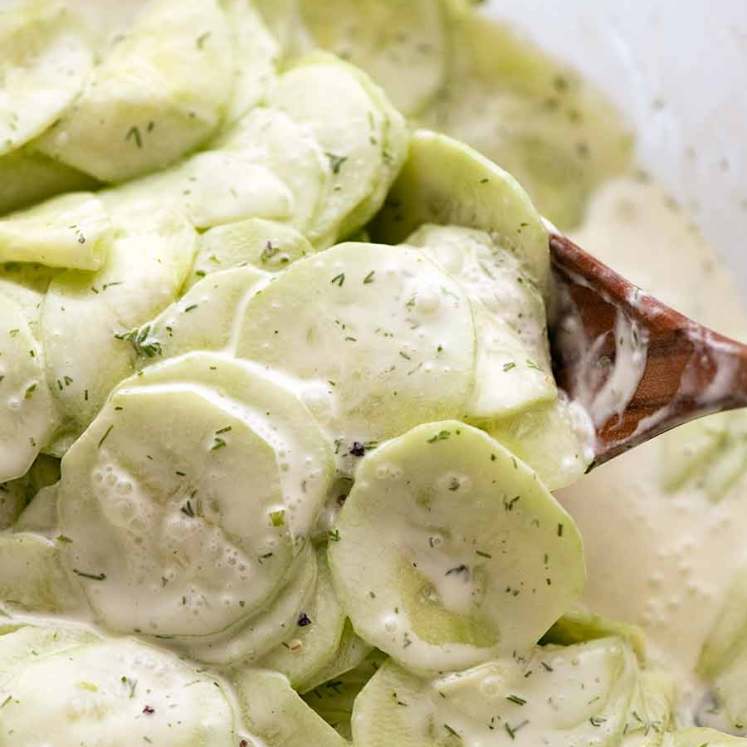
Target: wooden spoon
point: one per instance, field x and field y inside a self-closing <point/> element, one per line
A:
<point x="639" y="367"/>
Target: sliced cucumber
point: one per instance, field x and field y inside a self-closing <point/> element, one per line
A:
<point x="71" y="231"/>
<point x="473" y="557"/>
<point x="410" y="66"/>
<point x="41" y="514"/>
<point x="26" y="284"/>
<point x="278" y="715"/>
<point x="144" y="271"/>
<point x="267" y="245"/>
<point x="505" y="701"/>
<point x="651" y="711"/>
<point x="118" y="693"/>
<point x="696" y="737"/>
<point x="513" y="359"/>
<point x="383" y="331"/>
<point x="20" y="643"/>
<point x="32" y="576"/>
<point x="202" y="319"/>
<point x="159" y="93"/>
<point x="328" y="98"/>
<point x="27" y="416"/>
<point x="45" y="61"/>
<point x="16" y="495"/>
<point x="167" y="538"/>
<point x="314" y="642"/>
<point x="448" y="183"/>
<point x="556" y="440"/>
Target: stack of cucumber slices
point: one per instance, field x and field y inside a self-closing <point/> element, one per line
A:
<point x="278" y="425"/>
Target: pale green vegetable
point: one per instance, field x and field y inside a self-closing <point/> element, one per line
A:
<point x="32" y="576"/>
<point x="146" y="266"/>
<point x="20" y="642"/>
<point x="651" y="711"/>
<point x="384" y="335"/>
<point x="702" y="738"/>
<point x="188" y="497"/>
<point x="157" y="94"/>
<point x="446" y="182"/>
<point x="45" y="61"/>
<point x="16" y="495"/>
<point x="266" y="245"/>
<point x="27" y="416"/>
<point x="401" y="44"/>
<point x="71" y="231"/>
<point x="451" y="552"/>
<point x="278" y="715"/>
<point x="314" y="642"/>
<point x="118" y="693"/>
<point x="577" y="695"/>
<point x="40" y="515"/>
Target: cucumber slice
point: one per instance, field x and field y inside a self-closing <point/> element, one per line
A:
<point x="41" y="514"/>
<point x="316" y="637"/>
<point x="243" y="645"/>
<point x="144" y="271"/>
<point x="71" y="231"/>
<point x="556" y="440"/>
<point x="32" y="576"/>
<point x="289" y="150"/>
<point x="203" y="319"/>
<point x="283" y="18"/>
<point x="513" y="369"/>
<point x="448" y="183"/>
<point x="166" y="539"/>
<point x="27" y="414"/>
<point x="278" y="715"/>
<point x="696" y="737"/>
<point x="386" y="333"/>
<point x="16" y="495"/>
<point x="474" y="558"/>
<point x="159" y="93"/>
<point x="21" y="643"/>
<point x="264" y="244"/>
<point x="500" y="703"/>
<point x="328" y="98"/>
<point x="410" y="66"/>
<point x="118" y="693"/>
<point x="45" y="62"/>
<point x="651" y="711"/>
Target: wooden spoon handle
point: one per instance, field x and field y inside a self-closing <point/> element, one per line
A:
<point x="637" y="365"/>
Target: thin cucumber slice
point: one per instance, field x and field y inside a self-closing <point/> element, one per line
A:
<point x="474" y="558"/>
<point x="651" y="712"/>
<point x="255" y="53"/>
<point x="26" y="284"/>
<point x="278" y="715"/>
<point x="159" y="93"/>
<point x="167" y="539"/>
<point x="410" y="66"/>
<point x="202" y="319"/>
<point x="448" y="183"/>
<point x="556" y="440"/>
<point x="32" y="576"/>
<point x="85" y="317"/>
<point x="697" y="737"/>
<point x="16" y="495"/>
<point x="41" y="514"/>
<point x="351" y="653"/>
<point x="289" y="149"/>
<point x="27" y="416"/>
<point x="118" y="693"/>
<point x="243" y="645"/>
<point x="313" y="643"/>
<point x="513" y="369"/>
<point x="328" y="98"/>
<point x="45" y="61"/>
<point x="20" y="643"/>
<point x="500" y="703"/>
<point x="267" y="245"/>
<point x="382" y="331"/>
<point x="71" y="231"/>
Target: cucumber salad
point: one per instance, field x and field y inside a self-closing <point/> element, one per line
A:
<point x="282" y="458"/>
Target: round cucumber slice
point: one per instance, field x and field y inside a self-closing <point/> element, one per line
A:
<point x="449" y="183"/>
<point x="71" y="231"/>
<point x="277" y="714"/>
<point x="473" y="557"/>
<point x="410" y="66"/>
<point x="314" y="642"/>
<point x="383" y="331"/>
<point x="27" y="414"/>
<point x="45" y="62"/>
<point x="159" y="93"/>
<point x="328" y="98"/>
<point x="118" y="693"/>
<point x="505" y="701"/>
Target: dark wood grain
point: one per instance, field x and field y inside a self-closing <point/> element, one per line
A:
<point x="689" y="370"/>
